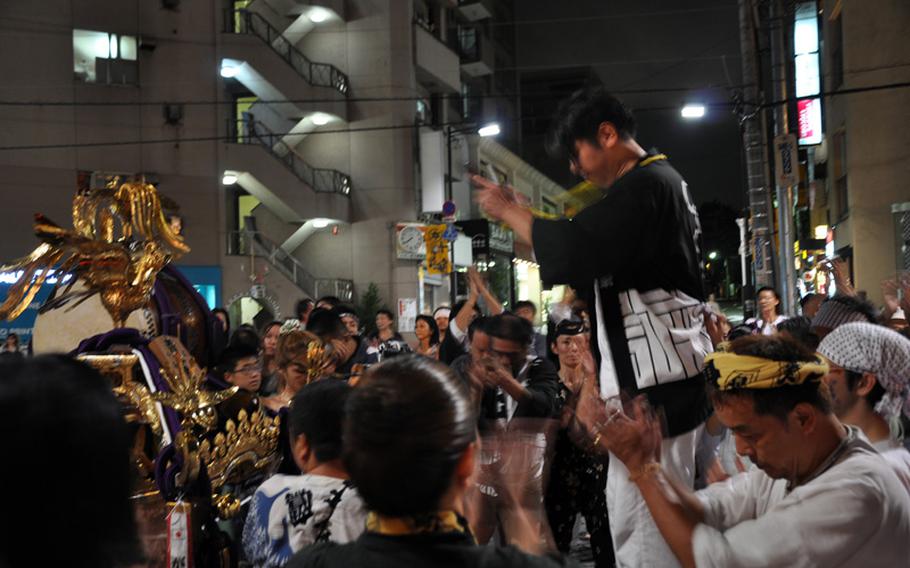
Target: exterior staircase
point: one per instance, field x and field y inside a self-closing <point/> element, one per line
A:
<point x="254" y="243"/>
<point x="321" y="180"/>
<point x="316" y="74"/>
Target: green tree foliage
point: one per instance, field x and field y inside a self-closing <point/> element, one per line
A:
<point x="370" y="302"/>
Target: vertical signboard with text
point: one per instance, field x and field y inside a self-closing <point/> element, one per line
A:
<point x="807" y="73"/>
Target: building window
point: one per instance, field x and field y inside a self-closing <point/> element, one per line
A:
<point x="423" y="114"/>
<point x="105" y="58"/>
<point x="839" y="150"/>
<point x="468" y="43"/>
<point x="837" y="51"/>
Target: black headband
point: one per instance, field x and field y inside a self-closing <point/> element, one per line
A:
<point x="569" y="327"/>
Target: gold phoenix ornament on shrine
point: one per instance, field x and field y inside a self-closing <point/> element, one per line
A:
<point x="119" y="243"/>
<point x="188" y="396"/>
<point x="247" y="449"/>
<point x="248" y="446"/>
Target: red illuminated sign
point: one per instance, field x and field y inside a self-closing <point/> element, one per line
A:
<point x="809" y="113"/>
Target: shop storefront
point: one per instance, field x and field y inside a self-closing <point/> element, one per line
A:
<point x="493" y="249"/>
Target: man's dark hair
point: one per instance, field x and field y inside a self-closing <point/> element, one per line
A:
<point x="317" y="412"/>
<point x="387" y="313"/>
<point x="579" y="117"/>
<point x="478" y="324"/>
<point x="246" y="335"/>
<point x="779" y="401"/>
<point x="326" y="324"/>
<point x="58" y="413"/>
<point x="303" y="306"/>
<point x="511" y="327"/>
<point x="525" y="304"/>
<point x="874" y="396"/>
<point x="800" y="329"/>
<point x="740" y="330"/>
<point x="407" y="424"/>
<point x="808" y="298"/>
<point x="227" y="362"/>
<point x="332" y="301"/>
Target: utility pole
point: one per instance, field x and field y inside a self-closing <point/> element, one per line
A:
<point x="779" y="67"/>
<point x="755" y="144"/>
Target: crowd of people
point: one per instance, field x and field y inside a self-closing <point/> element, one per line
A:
<point x="680" y="440"/>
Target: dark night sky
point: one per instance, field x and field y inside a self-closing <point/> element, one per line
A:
<point x="652" y="44"/>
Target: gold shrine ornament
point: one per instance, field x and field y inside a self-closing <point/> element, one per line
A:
<point x="119" y="243"/>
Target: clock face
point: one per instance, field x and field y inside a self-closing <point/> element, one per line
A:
<point x="410" y="239"/>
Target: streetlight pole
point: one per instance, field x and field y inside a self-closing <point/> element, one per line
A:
<point x="491" y="129"/>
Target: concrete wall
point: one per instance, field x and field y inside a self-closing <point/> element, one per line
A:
<point x="37" y="64"/>
<point x="373" y="47"/>
<point x="876" y="52"/>
<point x="328" y="255"/>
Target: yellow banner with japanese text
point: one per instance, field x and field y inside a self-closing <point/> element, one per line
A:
<point x="438" y="257"/>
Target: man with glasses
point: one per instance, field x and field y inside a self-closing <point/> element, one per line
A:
<point x="240" y="366"/>
<point x="518" y="400"/>
<point x="517" y="385"/>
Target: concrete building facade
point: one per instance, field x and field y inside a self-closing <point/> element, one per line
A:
<point x="291" y="138"/>
<point x="866" y="153"/>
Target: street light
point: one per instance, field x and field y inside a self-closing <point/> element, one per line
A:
<point x="712" y="255"/>
<point x="229" y="178"/>
<point x="491" y="129"/>
<point x="321" y="119"/>
<point x="692" y="111"/>
<point x="320" y="223"/>
<point x="228" y="70"/>
<point x="317" y="15"/>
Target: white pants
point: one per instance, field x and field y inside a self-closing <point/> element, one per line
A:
<point x="636" y="540"/>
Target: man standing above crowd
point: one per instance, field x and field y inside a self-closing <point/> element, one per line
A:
<point x="819" y="496"/>
<point x="870" y="370"/>
<point x="635" y="254"/>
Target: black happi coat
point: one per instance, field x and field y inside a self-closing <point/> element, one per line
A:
<point x="635" y="256"/>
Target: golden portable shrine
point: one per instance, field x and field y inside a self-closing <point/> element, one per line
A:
<point x="195" y="456"/>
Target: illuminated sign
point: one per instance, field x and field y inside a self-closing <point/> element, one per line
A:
<point x="25" y="323"/>
<point x="809" y="115"/>
<point x="807" y="75"/>
<point x="13" y="277"/>
<point x="808" y="81"/>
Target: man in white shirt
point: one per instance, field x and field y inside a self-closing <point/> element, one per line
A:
<point x="820" y="495"/>
<point x="870" y="370"/>
<point x="290" y="512"/>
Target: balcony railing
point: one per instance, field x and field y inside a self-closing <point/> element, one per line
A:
<point x="316" y="74"/>
<point x="254" y="243"/>
<point x="322" y="180"/>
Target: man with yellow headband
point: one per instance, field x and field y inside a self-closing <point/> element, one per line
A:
<point x="819" y="496"/>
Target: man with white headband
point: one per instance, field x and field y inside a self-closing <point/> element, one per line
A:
<point x="868" y="381"/>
